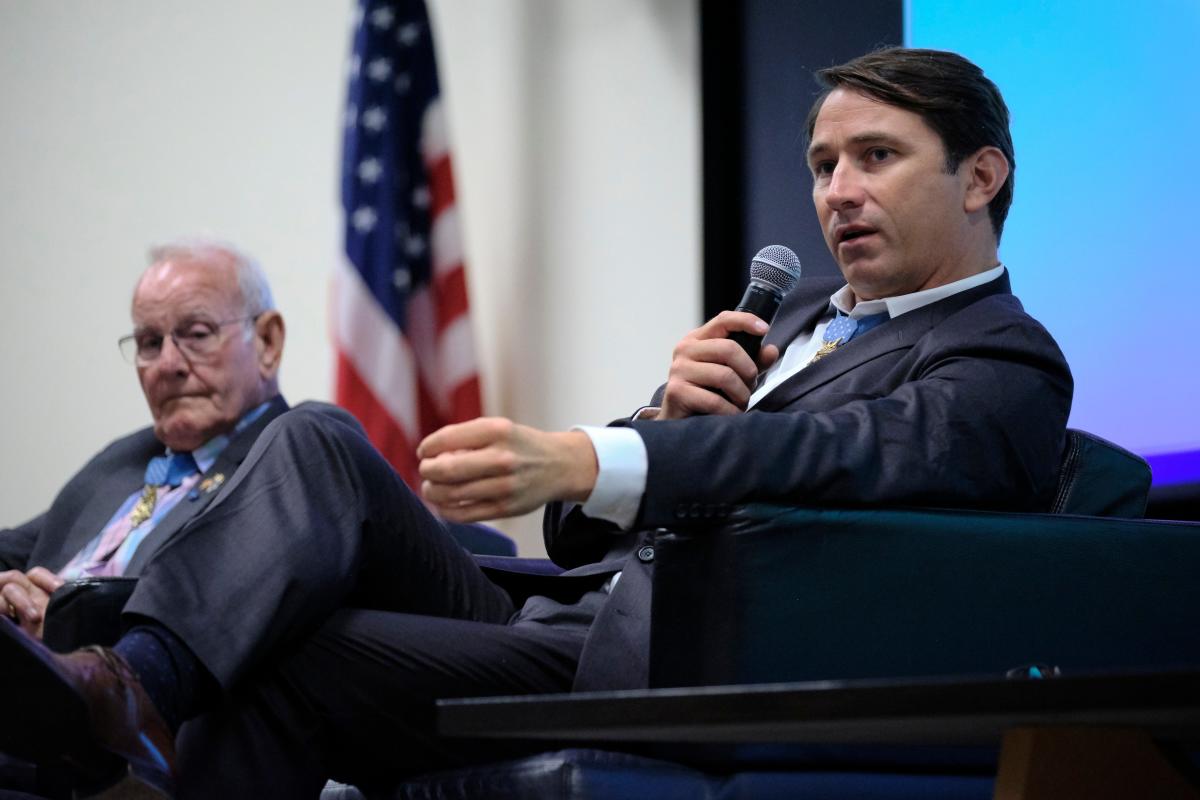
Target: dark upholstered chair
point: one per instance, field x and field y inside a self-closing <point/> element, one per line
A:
<point x="794" y="594"/>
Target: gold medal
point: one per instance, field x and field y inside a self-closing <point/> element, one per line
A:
<point x="826" y="349"/>
<point x="144" y="507"/>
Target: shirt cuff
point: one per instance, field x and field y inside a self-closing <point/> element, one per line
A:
<point x="621" y="477"/>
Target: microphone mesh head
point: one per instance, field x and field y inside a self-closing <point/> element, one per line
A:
<point x="777" y="267"/>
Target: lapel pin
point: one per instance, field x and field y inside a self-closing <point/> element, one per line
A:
<point x="209" y="485"/>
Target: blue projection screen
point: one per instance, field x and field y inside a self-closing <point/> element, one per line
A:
<point x="1103" y="241"/>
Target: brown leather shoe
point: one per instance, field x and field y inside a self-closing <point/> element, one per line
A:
<point x="86" y="715"/>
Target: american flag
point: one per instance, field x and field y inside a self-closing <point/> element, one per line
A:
<point x="405" y="356"/>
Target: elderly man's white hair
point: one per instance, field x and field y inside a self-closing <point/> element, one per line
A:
<point x="256" y="292"/>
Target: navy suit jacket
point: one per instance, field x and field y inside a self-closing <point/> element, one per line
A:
<point x="962" y="403"/>
<point x="83" y="507"/>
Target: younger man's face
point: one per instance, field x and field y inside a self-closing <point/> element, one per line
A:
<point x="892" y="216"/>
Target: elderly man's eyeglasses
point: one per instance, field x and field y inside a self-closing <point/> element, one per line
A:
<point x="198" y="340"/>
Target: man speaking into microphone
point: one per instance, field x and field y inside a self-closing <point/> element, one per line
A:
<point x="915" y="379"/>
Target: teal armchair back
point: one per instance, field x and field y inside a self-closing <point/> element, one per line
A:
<point x="796" y="594"/>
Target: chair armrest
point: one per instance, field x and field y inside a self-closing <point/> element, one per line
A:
<point x="86" y="611"/>
<point x="481" y="539"/>
<point x="525" y="577"/>
<point x="786" y="594"/>
<point x="493" y="564"/>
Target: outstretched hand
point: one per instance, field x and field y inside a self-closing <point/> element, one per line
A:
<point x="492" y="467"/>
<point x="25" y="595"/>
<point x="712" y="374"/>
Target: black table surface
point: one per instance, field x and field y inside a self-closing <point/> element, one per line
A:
<point x="914" y="711"/>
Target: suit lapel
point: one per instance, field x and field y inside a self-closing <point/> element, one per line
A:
<point x="897" y="334"/>
<point x="194" y="503"/>
<point x="111" y="490"/>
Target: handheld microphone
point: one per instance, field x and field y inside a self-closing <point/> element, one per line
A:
<point x="773" y="273"/>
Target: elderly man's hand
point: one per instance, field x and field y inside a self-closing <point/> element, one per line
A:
<point x="492" y="467"/>
<point x="710" y="373"/>
<point x="25" y="595"/>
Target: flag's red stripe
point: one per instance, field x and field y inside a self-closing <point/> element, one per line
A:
<point x="354" y="395"/>
<point x="464" y="400"/>
<point x="450" y="296"/>
<point x="427" y="411"/>
<point x="441" y="185"/>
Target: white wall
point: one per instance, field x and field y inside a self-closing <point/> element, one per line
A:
<point x="576" y="133"/>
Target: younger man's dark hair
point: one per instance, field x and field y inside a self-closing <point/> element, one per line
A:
<point x="950" y="93"/>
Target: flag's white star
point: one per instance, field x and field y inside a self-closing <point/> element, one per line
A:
<point x="363" y="219"/>
<point x="403" y="83"/>
<point x="369" y="170"/>
<point x="381" y="18"/>
<point x="402" y="279"/>
<point x="374" y="119"/>
<point x="354" y="66"/>
<point x="407" y="35"/>
<point x="357" y="17"/>
<point x="414" y="246"/>
<point x="420" y="197"/>
<point x="379" y="69"/>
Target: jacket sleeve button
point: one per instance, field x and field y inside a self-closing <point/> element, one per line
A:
<point x="645" y="554"/>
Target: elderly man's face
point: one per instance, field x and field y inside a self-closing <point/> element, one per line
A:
<point x="193" y="399"/>
<point x="892" y="216"/>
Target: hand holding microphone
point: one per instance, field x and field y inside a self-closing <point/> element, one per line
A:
<point x="713" y="368"/>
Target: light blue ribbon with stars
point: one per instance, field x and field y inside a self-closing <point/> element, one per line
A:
<point x="843" y="328"/>
<point x="170" y="470"/>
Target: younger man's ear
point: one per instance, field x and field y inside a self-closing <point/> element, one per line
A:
<point x="986" y="171"/>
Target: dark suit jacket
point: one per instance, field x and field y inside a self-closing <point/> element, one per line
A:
<point x="962" y="403"/>
<point x="88" y="501"/>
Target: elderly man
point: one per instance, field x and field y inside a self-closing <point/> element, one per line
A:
<point x="920" y="380"/>
<point x="207" y="345"/>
